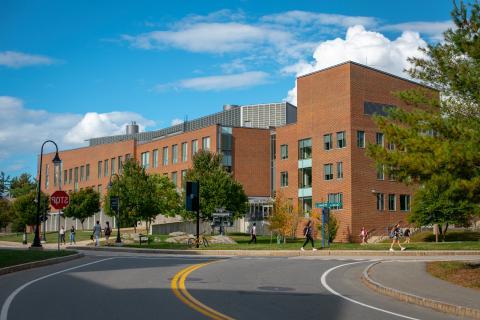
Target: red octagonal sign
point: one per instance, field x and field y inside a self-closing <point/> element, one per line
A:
<point x="59" y="199"/>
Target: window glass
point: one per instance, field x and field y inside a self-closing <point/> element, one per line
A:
<point x="361" y="139"/>
<point x="379" y="138"/>
<point x="341" y="141"/>
<point x="175" y="153"/>
<point x="105" y="168"/>
<point x="155" y="158"/>
<point x="174" y="178"/>
<point x="87" y="172"/>
<point x="380" y="172"/>
<point x="305" y="149"/>
<point x="339" y="170"/>
<point x="194" y="147"/>
<point x="336" y="197"/>
<point x="284" y="179"/>
<point x="284" y="151"/>
<point x="184" y="152"/>
<point x="327" y="141"/>
<point x="305" y="178"/>
<point x="380" y="201"/>
<point x="112" y="165"/>
<point x="405" y="202"/>
<point x="206" y="143"/>
<point x="328" y="171"/>
<point x="165" y="156"/>
<point x="391" y="202"/>
<point x="82" y="173"/>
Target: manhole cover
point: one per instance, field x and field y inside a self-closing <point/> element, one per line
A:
<point x="276" y="289"/>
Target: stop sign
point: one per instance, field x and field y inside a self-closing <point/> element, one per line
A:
<point x="59" y="199"/>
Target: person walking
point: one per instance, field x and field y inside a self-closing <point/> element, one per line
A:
<point x="62" y="235"/>
<point x="97" y="231"/>
<point x="395" y="234"/>
<point x="108" y="232"/>
<point x="308" y="233"/>
<point x="72" y="235"/>
<point x="406" y="234"/>
<point x="363" y="235"/>
<point x="253" y="233"/>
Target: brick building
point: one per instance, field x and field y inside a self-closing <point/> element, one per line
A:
<point x="313" y="153"/>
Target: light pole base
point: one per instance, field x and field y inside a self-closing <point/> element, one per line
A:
<point x="35" y="248"/>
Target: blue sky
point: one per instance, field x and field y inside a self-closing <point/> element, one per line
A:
<point x="70" y="70"/>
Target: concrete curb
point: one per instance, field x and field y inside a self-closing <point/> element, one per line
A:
<point x="41" y="263"/>
<point x="282" y="253"/>
<point x="421" y="301"/>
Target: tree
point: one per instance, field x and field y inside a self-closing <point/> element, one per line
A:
<point x="6" y="213"/>
<point x="4" y="184"/>
<point x="83" y="204"/>
<point x="437" y="143"/>
<point x="332" y="228"/>
<point x="22" y="185"/>
<point x="142" y="196"/>
<point x="283" y="220"/>
<point x="218" y="189"/>
<point x="25" y="209"/>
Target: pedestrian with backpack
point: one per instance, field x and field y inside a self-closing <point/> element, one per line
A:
<point x="395" y="234"/>
<point x="308" y="233"/>
<point x="253" y="233"/>
<point x="108" y="232"/>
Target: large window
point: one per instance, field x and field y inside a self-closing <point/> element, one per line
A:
<point x="120" y="164"/>
<point x="361" y="139"/>
<point x="380" y="201"/>
<point x="284" y="179"/>
<point x="174" y="178"/>
<point x="379" y="139"/>
<point x="284" y="151"/>
<point x="175" y="153"/>
<point x="336" y="197"/>
<point x="305" y="177"/>
<point x="380" y="172"/>
<point x="184" y="179"/>
<point x="99" y="169"/>
<point x="82" y="173"/>
<point x="155" y="158"/>
<point x="328" y="171"/>
<point x="305" y="149"/>
<point x="146" y="160"/>
<point x="339" y="170"/>
<point x="65" y="177"/>
<point x="341" y="140"/>
<point x="165" y="156"/>
<point x="405" y="202"/>
<point x="87" y="172"/>
<point x="305" y="204"/>
<point x="184" y="152"/>
<point x="70" y="174"/>
<point x="194" y="147"/>
<point x="105" y="168"/>
<point x="392" y="202"/>
<point x="206" y="143"/>
<point x="113" y="165"/>
<point x="327" y="141"/>
<point x="75" y="177"/>
<point x="391" y="146"/>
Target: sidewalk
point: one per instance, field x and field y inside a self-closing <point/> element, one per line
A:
<point x="411" y="278"/>
<point x="50" y="245"/>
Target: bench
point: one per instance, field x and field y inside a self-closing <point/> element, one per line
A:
<point x="143" y="238"/>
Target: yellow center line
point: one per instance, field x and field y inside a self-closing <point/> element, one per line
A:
<point x="180" y="291"/>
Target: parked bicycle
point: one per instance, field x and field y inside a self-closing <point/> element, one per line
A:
<point x="202" y="240"/>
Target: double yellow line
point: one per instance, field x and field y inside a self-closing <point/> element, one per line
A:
<point x="179" y="289"/>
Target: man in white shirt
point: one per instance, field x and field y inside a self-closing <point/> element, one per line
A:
<point x="253" y="233"/>
<point x="97" y="230"/>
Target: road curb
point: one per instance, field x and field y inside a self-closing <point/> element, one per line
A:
<point x="422" y="301"/>
<point x="41" y="263"/>
<point x="283" y="253"/>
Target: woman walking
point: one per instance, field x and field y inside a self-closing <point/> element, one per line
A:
<point x="308" y="232"/>
<point x="395" y="234"/>
<point x="72" y="235"/>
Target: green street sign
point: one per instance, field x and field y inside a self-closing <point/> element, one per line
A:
<point x="327" y="204"/>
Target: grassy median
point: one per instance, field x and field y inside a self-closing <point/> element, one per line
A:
<point x="52" y="237"/>
<point x="466" y="274"/>
<point x="11" y="257"/>
<point x="267" y="243"/>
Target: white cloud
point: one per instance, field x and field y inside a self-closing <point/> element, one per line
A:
<point x="210" y="37"/>
<point x="14" y="59"/>
<point x="23" y="130"/>
<point x="362" y="46"/>
<point x="217" y="83"/>
<point x="433" y="30"/>
<point x="304" y="18"/>
<point x="176" y="121"/>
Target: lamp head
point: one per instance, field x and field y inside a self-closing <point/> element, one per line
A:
<point x="56" y="160"/>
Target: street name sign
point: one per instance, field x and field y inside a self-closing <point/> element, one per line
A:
<point x="59" y="199"/>
<point x="327" y="204"/>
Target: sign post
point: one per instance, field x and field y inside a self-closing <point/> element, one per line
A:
<point x="192" y="199"/>
<point x="59" y="200"/>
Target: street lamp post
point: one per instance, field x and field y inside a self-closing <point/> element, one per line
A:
<point x="117" y="207"/>
<point x="56" y="162"/>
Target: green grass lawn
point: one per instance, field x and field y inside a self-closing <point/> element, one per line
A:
<point x="10" y="257"/>
<point x="264" y="243"/>
<point x="51" y="236"/>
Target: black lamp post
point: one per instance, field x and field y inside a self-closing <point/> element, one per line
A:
<point x="56" y="162"/>
<point x="116" y="207"/>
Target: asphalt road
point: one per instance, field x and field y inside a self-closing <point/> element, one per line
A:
<point x="132" y="286"/>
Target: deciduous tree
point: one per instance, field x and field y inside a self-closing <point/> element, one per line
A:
<point x="83" y="204"/>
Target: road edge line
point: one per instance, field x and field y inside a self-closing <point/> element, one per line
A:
<point x="8" y="301"/>
<point x="437" y="305"/>
<point x="323" y="280"/>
